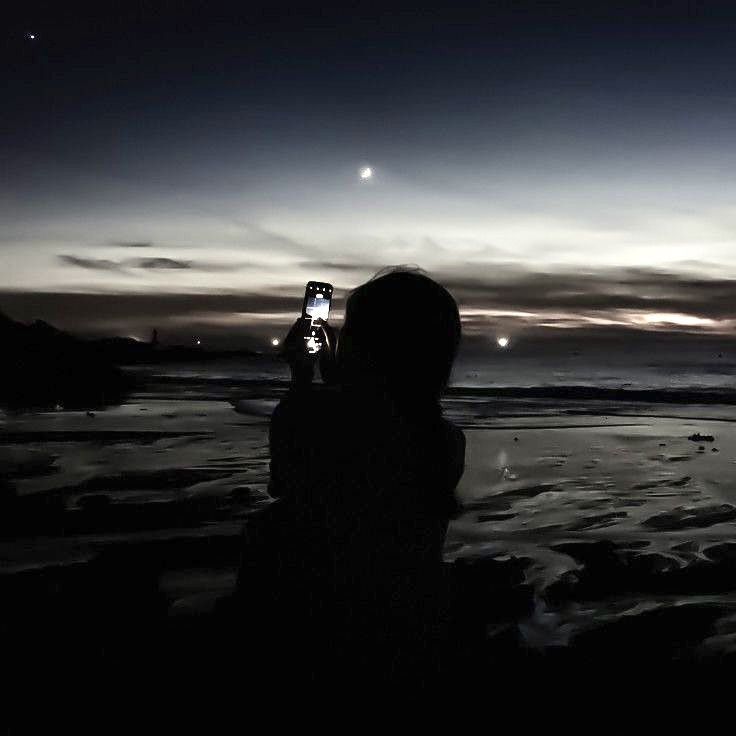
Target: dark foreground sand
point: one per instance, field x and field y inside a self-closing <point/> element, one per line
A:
<point x="590" y="534"/>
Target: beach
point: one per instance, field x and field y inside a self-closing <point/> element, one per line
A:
<point x="621" y="519"/>
<point x="590" y="525"/>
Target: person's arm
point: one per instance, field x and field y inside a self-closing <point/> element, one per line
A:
<point x="301" y="362"/>
<point x="289" y="446"/>
<point x="294" y="352"/>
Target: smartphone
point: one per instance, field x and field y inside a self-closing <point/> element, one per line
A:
<point x="317" y="299"/>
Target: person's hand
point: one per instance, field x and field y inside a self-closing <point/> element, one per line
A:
<point x="296" y="350"/>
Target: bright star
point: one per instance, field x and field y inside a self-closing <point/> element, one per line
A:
<point x="31" y="36"/>
<point x="366" y="172"/>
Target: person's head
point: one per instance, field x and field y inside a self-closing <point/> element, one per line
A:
<point x="401" y="335"/>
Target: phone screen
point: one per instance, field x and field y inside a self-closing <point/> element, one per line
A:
<point x="317" y="298"/>
<point x="318" y="307"/>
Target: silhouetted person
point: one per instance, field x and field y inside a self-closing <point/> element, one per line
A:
<point x="363" y="468"/>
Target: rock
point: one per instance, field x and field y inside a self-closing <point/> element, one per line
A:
<point x="43" y="367"/>
<point x="691" y="517"/>
<point x="697" y="437"/>
<point x="241" y="493"/>
<point x="660" y="634"/>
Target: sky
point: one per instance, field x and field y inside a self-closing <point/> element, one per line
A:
<point x="564" y="169"/>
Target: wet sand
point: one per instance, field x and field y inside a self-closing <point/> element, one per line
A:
<point x="621" y="522"/>
<point x="595" y="528"/>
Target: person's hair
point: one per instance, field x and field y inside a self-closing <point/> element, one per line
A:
<point x="401" y="333"/>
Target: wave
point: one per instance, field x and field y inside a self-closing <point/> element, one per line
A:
<point x="597" y="393"/>
<point x="259" y="384"/>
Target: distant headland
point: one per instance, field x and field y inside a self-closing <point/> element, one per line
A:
<point x="44" y="367"/>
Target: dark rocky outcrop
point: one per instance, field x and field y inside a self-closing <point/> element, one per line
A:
<point x="42" y="367"/>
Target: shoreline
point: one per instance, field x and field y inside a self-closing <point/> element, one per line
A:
<point x="596" y="523"/>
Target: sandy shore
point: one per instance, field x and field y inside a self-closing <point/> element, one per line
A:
<point x="619" y="519"/>
<point x="610" y="528"/>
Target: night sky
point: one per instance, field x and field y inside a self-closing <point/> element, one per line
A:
<point x="563" y="169"/>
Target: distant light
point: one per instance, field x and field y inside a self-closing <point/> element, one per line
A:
<point x="275" y="341"/>
<point x="31" y="36"/>
<point x="502" y="342"/>
<point x="366" y="172"/>
<point x="199" y="342"/>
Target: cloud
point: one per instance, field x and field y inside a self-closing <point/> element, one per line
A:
<point x="589" y="305"/>
<point x="156" y="263"/>
<point x="93" y="264"/>
<point x="265" y="239"/>
<point x="233" y="317"/>
<point x="341" y="266"/>
<point x="101" y="307"/>
<point x="618" y="296"/>
<point x="159" y="263"/>
<point x="175" y="264"/>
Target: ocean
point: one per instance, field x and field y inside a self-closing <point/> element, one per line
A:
<point x="612" y="487"/>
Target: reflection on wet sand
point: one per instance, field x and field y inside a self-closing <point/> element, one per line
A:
<point x="589" y="531"/>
